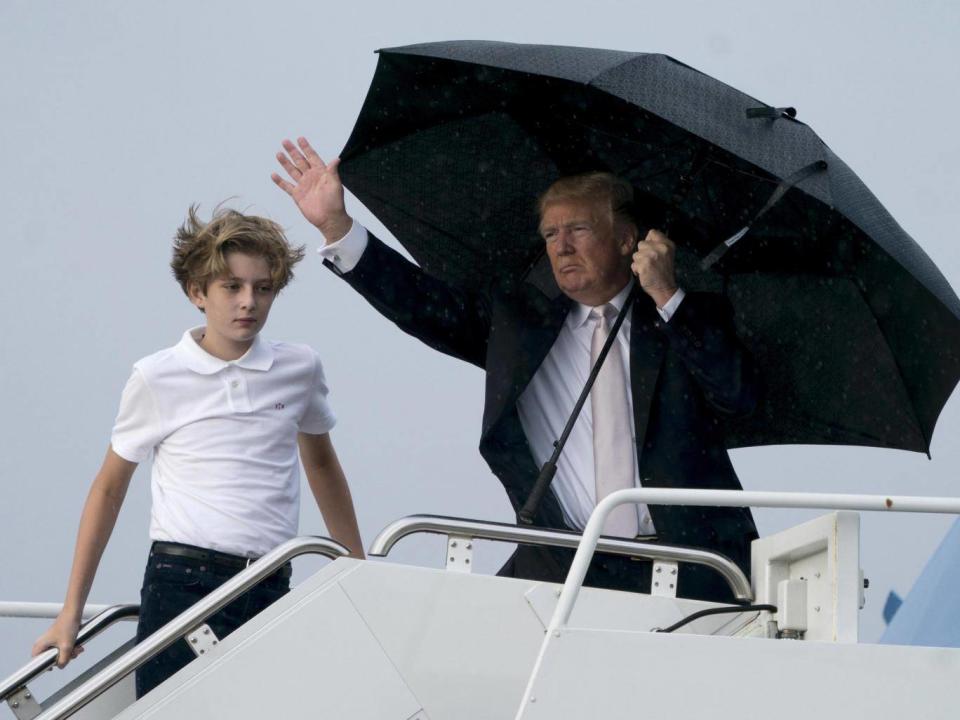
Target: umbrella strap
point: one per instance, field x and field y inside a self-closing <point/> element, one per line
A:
<point x="788" y="182"/>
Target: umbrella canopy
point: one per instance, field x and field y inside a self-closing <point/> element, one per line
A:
<point x="856" y="331"/>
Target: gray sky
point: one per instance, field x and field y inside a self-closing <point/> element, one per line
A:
<point x="118" y="115"/>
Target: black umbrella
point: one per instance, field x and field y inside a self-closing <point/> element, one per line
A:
<point x="856" y="331"/>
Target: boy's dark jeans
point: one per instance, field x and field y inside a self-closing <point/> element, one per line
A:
<point x="171" y="584"/>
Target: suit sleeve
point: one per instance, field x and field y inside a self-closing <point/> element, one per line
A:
<point x="702" y="333"/>
<point x="453" y="321"/>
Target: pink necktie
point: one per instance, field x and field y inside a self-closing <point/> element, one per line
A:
<point x="613" y="452"/>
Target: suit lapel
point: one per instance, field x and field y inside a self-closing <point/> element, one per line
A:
<point x="524" y="337"/>
<point x="647" y="349"/>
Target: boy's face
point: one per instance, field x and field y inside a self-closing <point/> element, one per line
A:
<point x="236" y="305"/>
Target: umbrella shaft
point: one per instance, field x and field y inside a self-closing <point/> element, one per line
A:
<point x="549" y="468"/>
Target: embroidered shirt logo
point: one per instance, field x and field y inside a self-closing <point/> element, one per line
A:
<point x="279" y="406"/>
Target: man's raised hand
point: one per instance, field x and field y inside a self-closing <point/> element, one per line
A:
<point x="315" y="187"/>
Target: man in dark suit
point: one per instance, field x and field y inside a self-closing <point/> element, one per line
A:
<point x="676" y="369"/>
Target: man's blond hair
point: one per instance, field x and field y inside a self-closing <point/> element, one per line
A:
<point x="609" y="192"/>
<point x="200" y="248"/>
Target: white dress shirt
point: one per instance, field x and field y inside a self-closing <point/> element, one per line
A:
<point x="548" y="400"/>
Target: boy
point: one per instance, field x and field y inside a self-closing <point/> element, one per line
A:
<point x="223" y="412"/>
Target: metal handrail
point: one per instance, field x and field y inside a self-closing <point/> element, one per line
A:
<point x="708" y="498"/>
<point x="47" y="658"/>
<point x="48" y="610"/>
<point x="388" y="537"/>
<point x="189" y="619"/>
<point x="727" y="498"/>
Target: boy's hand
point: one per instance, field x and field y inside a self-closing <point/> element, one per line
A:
<point x="315" y="188"/>
<point x="61" y="635"/>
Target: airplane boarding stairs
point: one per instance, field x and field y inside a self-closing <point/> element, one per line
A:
<point x="363" y="639"/>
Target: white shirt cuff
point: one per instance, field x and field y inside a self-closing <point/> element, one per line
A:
<point x="670" y="307"/>
<point x="345" y="253"/>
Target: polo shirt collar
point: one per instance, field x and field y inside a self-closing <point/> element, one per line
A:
<point x="579" y="313"/>
<point x="258" y="357"/>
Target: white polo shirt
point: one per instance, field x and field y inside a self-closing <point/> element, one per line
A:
<point x="223" y="435"/>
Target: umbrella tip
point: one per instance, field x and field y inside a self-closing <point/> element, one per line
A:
<point x="771" y="113"/>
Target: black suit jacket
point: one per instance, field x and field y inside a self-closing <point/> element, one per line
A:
<point x="686" y="375"/>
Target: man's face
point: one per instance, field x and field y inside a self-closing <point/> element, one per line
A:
<point x="590" y="261"/>
<point x="236" y="305"/>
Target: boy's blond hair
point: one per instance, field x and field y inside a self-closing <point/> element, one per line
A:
<point x="200" y="248"/>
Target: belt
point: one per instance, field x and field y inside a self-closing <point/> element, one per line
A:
<point x="214" y="557"/>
